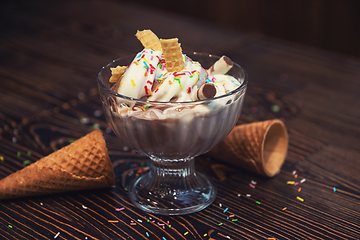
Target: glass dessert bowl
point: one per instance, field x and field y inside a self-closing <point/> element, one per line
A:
<point x="172" y="134"/>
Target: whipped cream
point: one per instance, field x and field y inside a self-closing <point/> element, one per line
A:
<point x="147" y="78"/>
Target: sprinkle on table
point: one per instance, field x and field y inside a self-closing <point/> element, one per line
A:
<point x="97" y="113"/>
<point x="119" y="209"/>
<point x="234" y="220"/>
<point x="226" y="210"/>
<point x="113" y="221"/>
<point x="18" y="154"/>
<point x="186" y="233"/>
<point x="334" y="189"/>
<point x="300" y="199"/>
<point x="147" y="234"/>
<point x="252" y="186"/>
<point x="220" y="224"/>
<point x="257" y="202"/>
<point x="303" y="180"/>
<point x="95" y="126"/>
<point x="27" y="162"/>
<point x="57" y="235"/>
<point x="2" y="158"/>
<point x="290" y="182"/>
<point x="254" y="109"/>
<point x="284" y="208"/>
<point x="84" y="120"/>
<point x="84" y="207"/>
<point x="29" y="153"/>
<point x="133" y="224"/>
<point x="299" y="190"/>
<point x="10" y="226"/>
<point x="205" y="234"/>
<point x="275" y="108"/>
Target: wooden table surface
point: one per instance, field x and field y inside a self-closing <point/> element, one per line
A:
<point x="50" y="53"/>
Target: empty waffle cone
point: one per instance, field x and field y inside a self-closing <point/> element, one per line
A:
<point x="260" y="147"/>
<point x="84" y="164"/>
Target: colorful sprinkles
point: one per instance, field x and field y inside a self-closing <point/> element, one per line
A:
<point x="300" y="199"/>
<point x="275" y="108"/>
<point x="27" y="162"/>
<point x="230" y="217"/>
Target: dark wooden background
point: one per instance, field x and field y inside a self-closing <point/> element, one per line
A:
<point x="50" y="53"/>
<point x="327" y="24"/>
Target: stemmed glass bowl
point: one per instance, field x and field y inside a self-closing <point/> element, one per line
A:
<point x="172" y="134"/>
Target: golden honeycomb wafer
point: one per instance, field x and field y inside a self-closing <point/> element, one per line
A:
<point x="116" y="73"/>
<point x="149" y="40"/>
<point x="172" y="54"/>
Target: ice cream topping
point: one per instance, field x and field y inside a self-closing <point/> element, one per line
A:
<point x="166" y="104"/>
<point x="147" y="77"/>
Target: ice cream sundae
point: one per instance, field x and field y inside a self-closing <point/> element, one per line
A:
<point x="164" y="104"/>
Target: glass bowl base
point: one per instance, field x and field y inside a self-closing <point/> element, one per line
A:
<point x="172" y="196"/>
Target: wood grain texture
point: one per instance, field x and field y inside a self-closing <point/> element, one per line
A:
<point x="50" y="53"/>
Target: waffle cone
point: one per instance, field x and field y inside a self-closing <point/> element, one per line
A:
<point x="172" y="54"/>
<point x="260" y="147"/>
<point x="149" y="40"/>
<point x="84" y="164"/>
